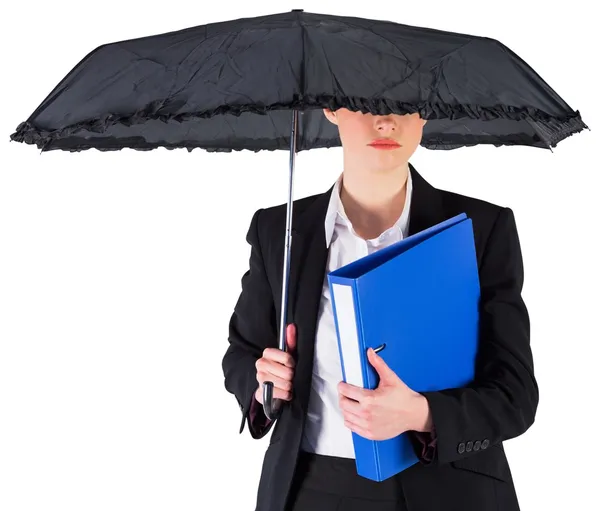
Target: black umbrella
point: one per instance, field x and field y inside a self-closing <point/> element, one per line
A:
<point x="239" y="84"/>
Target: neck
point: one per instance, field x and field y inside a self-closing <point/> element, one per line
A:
<point x="374" y="201"/>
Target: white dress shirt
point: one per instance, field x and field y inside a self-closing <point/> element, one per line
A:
<point x="325" y="432"/>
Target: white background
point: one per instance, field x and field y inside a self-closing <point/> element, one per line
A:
<point x="119" y="270"/>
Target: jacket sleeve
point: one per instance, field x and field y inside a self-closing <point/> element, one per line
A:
<point x="252" y="328"/>
<point x="501" y="401"/>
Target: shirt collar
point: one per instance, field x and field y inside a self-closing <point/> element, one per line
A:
<point x="336" y="208"/>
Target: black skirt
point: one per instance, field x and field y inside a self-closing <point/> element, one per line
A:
<point x="329" y="483"/>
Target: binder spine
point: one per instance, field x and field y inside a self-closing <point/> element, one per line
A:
<point x="353" y="355"/>
<point x="375" y="470"/>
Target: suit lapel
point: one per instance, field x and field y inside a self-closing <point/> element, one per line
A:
<point x="308" y="265"/>
<point x="426" y="209"/>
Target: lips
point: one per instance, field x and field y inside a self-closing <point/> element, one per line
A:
<point x="384" y="142"/>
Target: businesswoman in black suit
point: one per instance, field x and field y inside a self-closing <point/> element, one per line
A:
<point x="457" y="433"/>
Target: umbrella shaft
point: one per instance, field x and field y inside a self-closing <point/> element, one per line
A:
<point x="272" y="407"/>
<point x="288" y="233"/>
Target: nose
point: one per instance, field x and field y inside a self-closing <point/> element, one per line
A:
<point x="385" y="123"/>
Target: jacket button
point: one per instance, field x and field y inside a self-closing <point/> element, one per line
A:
<point x="485" y="444"/>
<point x="477" y="445"/>
<point x="461" y="448"/>
<point x="469" y="446"/>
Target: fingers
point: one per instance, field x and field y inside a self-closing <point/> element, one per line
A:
<point x="354" y="392"/>
<point x="278" y="383"/>
<point x="351" y="406"/>
<point x="284" y="357"/>
<point x="383" y="370"/>
<point x="355" y="422"/>
<point x="280" y="375"/>
<point x="290" y="338"/>
<point x="278" y="356"/>
<point x="277" y="366"/>
<point x="266" y="366"/>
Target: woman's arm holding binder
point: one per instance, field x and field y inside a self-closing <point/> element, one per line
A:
<point x="502" y="400"/>
<point x="252" y="328"/>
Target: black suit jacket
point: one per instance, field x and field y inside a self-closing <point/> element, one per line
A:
<point x="469" y="470"/>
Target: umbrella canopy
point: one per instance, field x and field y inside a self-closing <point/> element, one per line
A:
<point x="231" y="85"/>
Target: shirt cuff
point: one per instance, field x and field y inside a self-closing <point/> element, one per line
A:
<point x="257" y="419"/>
<point x="428" y="445"/>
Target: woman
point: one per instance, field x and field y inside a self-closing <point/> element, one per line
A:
<point x="457" y="434"/>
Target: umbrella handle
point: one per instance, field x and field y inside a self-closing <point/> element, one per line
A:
<point x="271" y="406"/>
